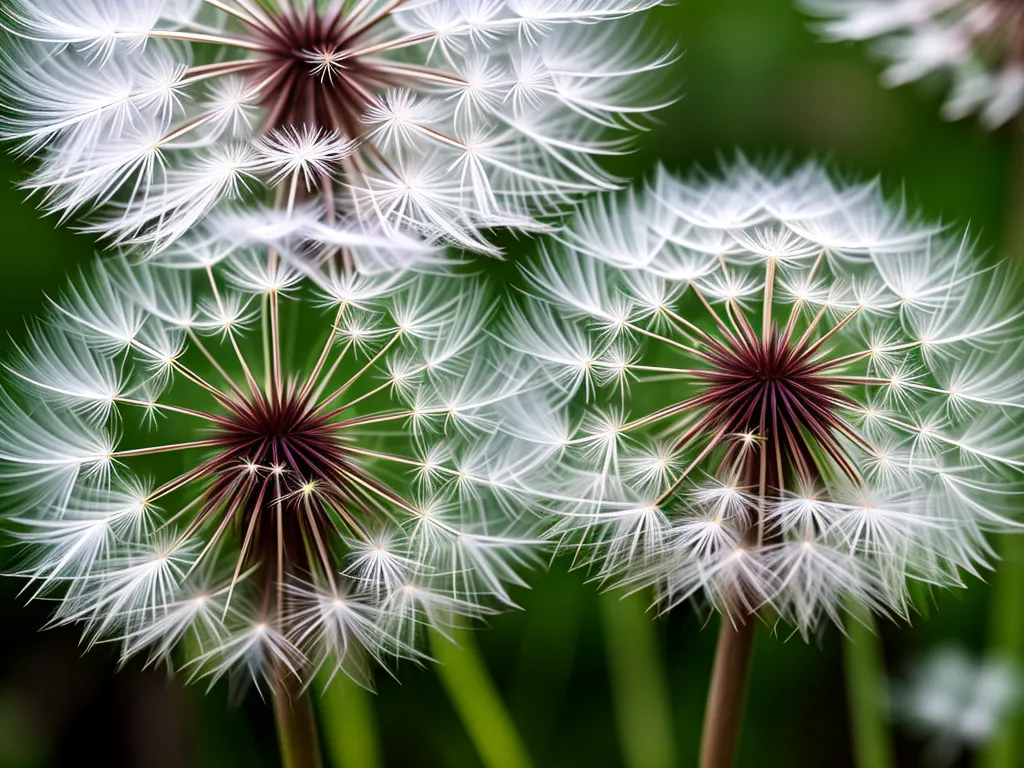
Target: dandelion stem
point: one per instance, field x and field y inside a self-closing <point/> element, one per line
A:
<point x="254" y="10"/>
<point x="378" y="17"/>
<point x="238" y="14"/>
<point x="297" y="735"/>
<point x="231" y="337"/>
<point x="275" y="345"/>
<point x="373" y="361"/>
<point x="361" y="398"/>
<point x="417" y="73"/>
<point x="326" y="353"/>
<point x="169" y="408"/>
<point x="769" y="289"/>
<point x="866" y="695"/>
<point x="265" y="332"/>
<point x="212" y="443"/>
<point x="472" y="693"/>
<point x="727" y="692"/>
<point x="197" y="342"/>
<point x="391" y="45"/>
<point x="711" y="310"/>
<point x="665" y="340"/>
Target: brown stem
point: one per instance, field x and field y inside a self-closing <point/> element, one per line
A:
<point x="727" y="693"/>
<point x="297" y="735"/>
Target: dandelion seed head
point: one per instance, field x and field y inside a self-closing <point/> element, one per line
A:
<point x="390" y="115"/>
<point x="258" y="500"/>
<point x="954" y="701"/>
<point x="975" y="44"/>
<point x="761" y="446"/>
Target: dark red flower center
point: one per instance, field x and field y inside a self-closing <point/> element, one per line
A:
<point x="776" y="392"/>
<point x="285" y="477"/>
<point x="308" y="79"/>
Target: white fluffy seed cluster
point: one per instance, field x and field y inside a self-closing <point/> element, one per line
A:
<point x="427" y="117"/>
<point x="156" y="522"/>
<point x="977" y="44"/>
<point x="897" y="448"/>
<point x="956" y="701"/>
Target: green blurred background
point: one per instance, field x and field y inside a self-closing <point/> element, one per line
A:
<point x="754" y="79"/>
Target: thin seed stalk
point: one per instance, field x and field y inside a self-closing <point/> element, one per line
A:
<point x="727" y="693"/>
<point x="351" y="734"/>
<point x="1006" y="641"/>
<point x="297" y="735"/>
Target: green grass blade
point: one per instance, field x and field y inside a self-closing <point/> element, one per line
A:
<point x="1006" y="641"/>
<point x="1006" y="619"/>
<point x="867" y="694"/>
<point x="348" y="722"/>
<point x="643" y="712"/>
<point x="472" y="692"/>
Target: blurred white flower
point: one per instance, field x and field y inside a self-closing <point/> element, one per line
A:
<point x="196" y="486"/>
<point x="796" y="395"/>
<point x="956" y="702"/>
<point x="437" y="117"/>
<point x="978" y="44"/>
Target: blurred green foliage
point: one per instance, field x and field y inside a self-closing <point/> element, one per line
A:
<point x="754" y="79"/>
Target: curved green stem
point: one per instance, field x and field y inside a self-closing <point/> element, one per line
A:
<point x="473" y="694"/>
<point x="348" y="718"/>
<point x="866" y="695"/>
<point x="1006" y="619"/>
<point x="1006" y="641"/>
<point x="643" y="712"/>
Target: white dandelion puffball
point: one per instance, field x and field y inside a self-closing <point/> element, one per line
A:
<point x="795" y="396"/>
<point x="241" y="470"/>
<point x="439" y="117"/>
<point x="978" y="44"/>
<point x="956" y="701"/>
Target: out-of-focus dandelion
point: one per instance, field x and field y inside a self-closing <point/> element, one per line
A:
<point x="280" y="508"/>
<point x="442" y="118"/>
<point x="978" y="44"/>
<point x="798" y="400"/>
<point x="956" y="702"/>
